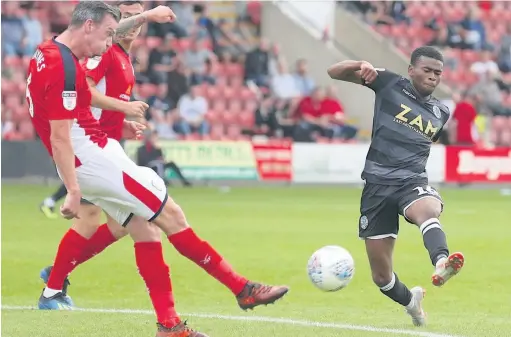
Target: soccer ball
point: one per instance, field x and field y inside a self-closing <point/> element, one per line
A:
<point x="331" y="268"/>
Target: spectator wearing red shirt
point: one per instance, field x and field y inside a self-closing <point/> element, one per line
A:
<point x="311" y="117"/>
<point x="333" y="108"/>
<point x="462" y="128"/>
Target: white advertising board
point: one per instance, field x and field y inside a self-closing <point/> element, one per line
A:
<point x="343" y="163"/>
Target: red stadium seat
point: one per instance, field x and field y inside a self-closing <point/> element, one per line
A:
<point x="153" y="42"/>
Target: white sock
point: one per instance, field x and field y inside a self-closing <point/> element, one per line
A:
<point x="441" y="260"/>
<point x="412" y="302"/>
<point x="48" y="292"/>
<point x="49" y="202"/>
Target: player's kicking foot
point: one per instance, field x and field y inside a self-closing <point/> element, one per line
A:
<point x="180" y="330"/>
<point x="255" y="294"/>
<point x="45" y="275"/>
<point x="414" y="309"/>
<point x="49" y="212"/>
<point x="446" y="268"/>
<point x="56" y="302"/>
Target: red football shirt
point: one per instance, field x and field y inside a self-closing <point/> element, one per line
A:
<point x="465" y="115"/>
<point x="57" y="90"/>
<point x="114" y="77"/>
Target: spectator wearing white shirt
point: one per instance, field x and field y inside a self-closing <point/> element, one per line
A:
<point x="192" y="111"/>
<point x="283" y="84"/>
<point x="304" y="82"/>
<point x="485" y="65"/>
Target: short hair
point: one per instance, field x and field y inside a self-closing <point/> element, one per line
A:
<point x="93" y="10"/>
<point x="129" y="3"/>
<point x="426" y="51"/>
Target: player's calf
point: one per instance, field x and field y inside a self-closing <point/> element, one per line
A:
<point x="173" y="222"/>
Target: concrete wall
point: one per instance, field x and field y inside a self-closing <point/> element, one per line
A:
<point x="296" y="42"/>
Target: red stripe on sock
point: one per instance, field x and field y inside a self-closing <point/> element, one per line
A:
<point x="141" y="193"/>
<point x="70" y="249"/>
<point x="155" y="272"/>
<point x="191" y="246"/>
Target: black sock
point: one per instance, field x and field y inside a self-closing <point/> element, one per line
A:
<point x="434" y="240"/>
<point x="397" y="291"/>
<point x="60" y="193"/>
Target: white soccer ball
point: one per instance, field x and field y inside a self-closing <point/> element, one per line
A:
<point x="331" y="268"/>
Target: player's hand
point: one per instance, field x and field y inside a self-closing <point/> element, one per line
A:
<point x="135" y="109"/>
<point x="69" y="209"/>
<point x="133" y="130"/>
<point x="368" y="73"/>
<point x="161" y="14"/>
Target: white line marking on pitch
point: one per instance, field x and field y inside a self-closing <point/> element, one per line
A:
<point x="337" y="326"/>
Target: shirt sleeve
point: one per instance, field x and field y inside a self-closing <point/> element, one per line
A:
<point x="384" y="78"/>
<point x="97" y="67"/>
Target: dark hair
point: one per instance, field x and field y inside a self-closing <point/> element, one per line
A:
<point x="426" y="51"/>
<point x="129" y="3"/>
<point x="93" y="10"/>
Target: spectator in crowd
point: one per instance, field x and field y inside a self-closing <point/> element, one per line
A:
<point x="192" y="110"/>
<point x="162" y="61"/>
<point x="140" y="63"/>
<point x="33" y="32"/>
<point x="474" y="30"/>
<point x="226" y="39"/>
<point x="304" y="82"/>
<point x="283" y="84"/>
<point x="257" y="64"/>
<point x="160" y="112"/>
<point x="178" y="81"/>
<point x="311" y="118"/>
<point x="14" y="42"/>
<point x="196" y="59"/>
<point x="462" y="128"/>
<point x="504" y="53"/>
<point x="150" y="155"/>
<point x="486" y="64"/>
<point x="265" y="118"/>
<point x="332" y="107"/>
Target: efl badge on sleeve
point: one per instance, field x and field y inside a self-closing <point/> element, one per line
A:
<point x="93" y="62"/>
<point x="436" y="111"/>
<point x="69" y="100"/>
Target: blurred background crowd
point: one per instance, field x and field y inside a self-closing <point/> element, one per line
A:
<point x="211" y="75"/>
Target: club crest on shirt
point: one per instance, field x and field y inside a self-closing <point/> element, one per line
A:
<point x="69" y="100"/>
<point x="436" y="112"/>
<point x="93" y="62"/>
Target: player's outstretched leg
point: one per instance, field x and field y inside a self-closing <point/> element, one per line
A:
<point x="379" y="252"/>
<point x="248" y="294"/>
<point x="48" y="204"/>
<point x="425" y="213"/>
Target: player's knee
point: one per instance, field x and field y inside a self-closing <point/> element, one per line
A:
<point x="381" y="278"/>
<point x="116" y="229"/>
<point x="172" y="218"/>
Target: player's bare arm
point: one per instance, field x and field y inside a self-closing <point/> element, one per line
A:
<point x="64" y="157"/>
<point x="130" y="109"/>
<point x="358" y="72"/>
<point x="160" y="14"/>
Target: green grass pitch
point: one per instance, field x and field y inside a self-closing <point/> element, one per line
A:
<point x="267" y="233"/>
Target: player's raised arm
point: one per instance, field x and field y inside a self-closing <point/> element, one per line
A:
<point x="160" y="14"/>
<point x="361" y="72"/>
<point x="130" y="109"/>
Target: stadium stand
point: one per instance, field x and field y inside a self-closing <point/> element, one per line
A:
<point x="212" y="62"/>
<point x="475" y="38"/>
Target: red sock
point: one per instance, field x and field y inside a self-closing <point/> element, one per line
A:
<point x="101" y="239"/>
<point x="155" y="272"/>
<point x="191" y="246"/>
<point x="70" y="249"/>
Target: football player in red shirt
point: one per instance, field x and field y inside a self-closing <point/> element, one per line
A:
<point x="92" y="165"/>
